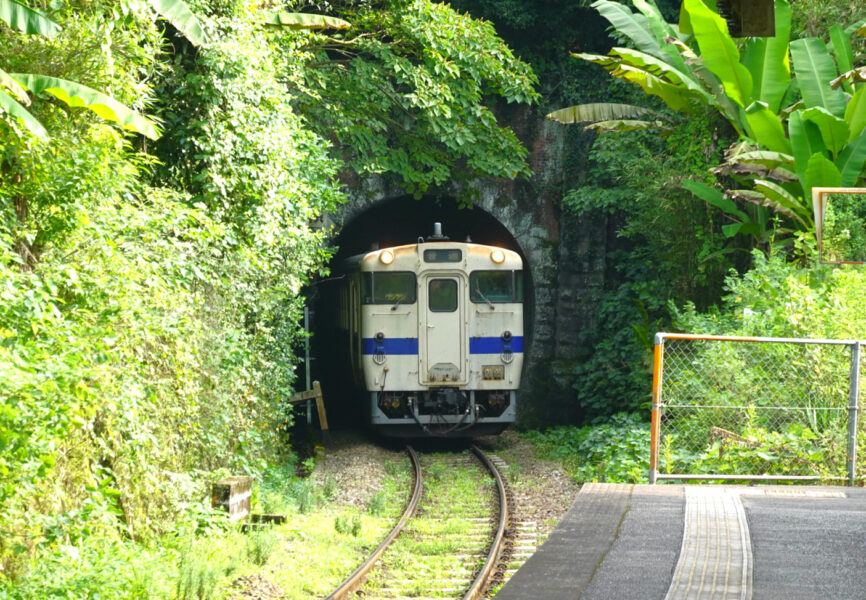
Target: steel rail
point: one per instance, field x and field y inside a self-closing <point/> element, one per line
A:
<point x="354" y="580"/>
<point x="476" y="590"/>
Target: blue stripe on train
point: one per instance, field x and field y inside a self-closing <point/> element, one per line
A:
<point x="494" y="345"/>
<point x="393" y="346"/>
<point x="477" y="345"/>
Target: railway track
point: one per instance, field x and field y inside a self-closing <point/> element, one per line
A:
<point x="448" y="543"/>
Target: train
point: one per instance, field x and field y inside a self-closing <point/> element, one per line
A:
<point x="433" y="332"/>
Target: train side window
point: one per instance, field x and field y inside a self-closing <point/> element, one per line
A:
<point x="397" y="287"/>
<point x="442" y="295"/>
<point x="496" y="286"/>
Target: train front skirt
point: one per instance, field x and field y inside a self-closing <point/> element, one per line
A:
<point x="442" y="412"/>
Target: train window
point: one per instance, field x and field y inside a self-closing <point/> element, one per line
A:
<point x="496" y="286"/>
<point x="443" y="255"/>
<point x="396" y="287"/>
<point x="442" y="295"/>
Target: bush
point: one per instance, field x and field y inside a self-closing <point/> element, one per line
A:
<point x="616" y="451"/>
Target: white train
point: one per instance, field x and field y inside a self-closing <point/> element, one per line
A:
<point x="435" y="336"/>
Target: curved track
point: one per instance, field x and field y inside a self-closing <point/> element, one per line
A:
<point x="463" y="552"/>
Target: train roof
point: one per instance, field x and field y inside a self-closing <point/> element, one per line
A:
<point x="409" y="255"/>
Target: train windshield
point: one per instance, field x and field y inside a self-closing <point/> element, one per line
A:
<point x="389" y="288"/>
<point x="496" y="286"/>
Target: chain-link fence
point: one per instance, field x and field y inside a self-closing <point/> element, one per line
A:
<point x="754" y="408"/>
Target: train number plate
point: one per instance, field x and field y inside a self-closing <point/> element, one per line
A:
<point x="493" y="372"/>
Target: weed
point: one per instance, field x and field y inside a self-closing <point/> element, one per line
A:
<point x="348" y="525"/>
<point x="260" y="545"/>
<point x="197" y="577"/>
<point x="392" y="468"/>
<point x="377" y="504"/>
<point x="437" y="471"/>
<point x="514" y="473"/>
<point x="329" y="488"/>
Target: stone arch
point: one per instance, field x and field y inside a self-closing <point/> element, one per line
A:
<point x="386" y="216"/>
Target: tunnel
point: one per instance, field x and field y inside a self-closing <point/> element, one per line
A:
<point x="393" y="222"/>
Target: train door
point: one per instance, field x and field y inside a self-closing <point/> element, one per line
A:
<point x="443" y="330"/>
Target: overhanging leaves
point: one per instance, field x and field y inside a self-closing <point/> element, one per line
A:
<point x="766" y="128"/>
<point x="26" y="20"/>
<point x="78" y="95"/>
<point x="719" y="52"/>
<point x="182" y="18"/>
<point x="834" y="131"/>
<point x="814" y="68"/>
<point x="13" y="86"/>
<point x="767" y="60"/>
<point x="852" y="160"/>
<point x="602" y="111"/>
<point x="15" y="110"/>
<point x="304" y="21"/>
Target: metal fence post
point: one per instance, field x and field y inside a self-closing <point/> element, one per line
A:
<point x="853" y="409"/>
<point x="655" y="419"/>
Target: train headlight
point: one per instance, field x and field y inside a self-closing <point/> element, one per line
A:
<point x="386" y="257"/>
<point x="497" y="256"/>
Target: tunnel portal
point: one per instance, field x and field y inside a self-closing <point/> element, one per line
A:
<point x="393" y="222"/>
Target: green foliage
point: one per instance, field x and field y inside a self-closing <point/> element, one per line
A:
<point x="261" y="545"/>
<point x="348" y="525"/>
<point x="28" y="21"/>
<point x="376" y="506"/>
<point x="844" y="236"/>
<point x="616" y="451"/>
<point x="407" y="92"/>
<point x="817" y="140"/>
<point x="781" y="299"/>
<point x="668" y="247"/>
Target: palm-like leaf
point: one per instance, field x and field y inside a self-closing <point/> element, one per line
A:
<point x="623" y="125"/>
<point x="843" y="53"/>
<point x="783" y="201"/>
<point x="766" y="128"/>
<point x="8" y="82"/>
<point x="855" y="112"/>
<point x="630" y="25"/>
<point x="820" y="172"/>
<point x="603" y="111"/>
<point x="852" y="160"/>
<point x="11" y="106"/>
<point x="719" y="52"/>
<point x="182" y="18"/>
<point x="767" y="60"/>
<point x="304" y="21"/>
<point x="26" y="20"/>
<point x="815" y="69"/>
<point x="805" y="141"/>
<point x="78" y="95"/>
<point x="834" y="131"/>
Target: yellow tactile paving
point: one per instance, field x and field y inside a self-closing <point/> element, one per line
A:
<point x="716" y="558"/>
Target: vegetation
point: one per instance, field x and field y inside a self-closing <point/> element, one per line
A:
<point x="153" y="250"/>
<point x="798" y="130"/>
<point x="616" y="451"/>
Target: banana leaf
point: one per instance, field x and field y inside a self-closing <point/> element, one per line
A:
<point x="26" y="20"/>
<point x="13" y="108"/>
<point x="78" y="95"/>
<point x="182" y="18"/>
<point x="304" y="21"/>
<point x="719" y="52"/>
<point x="815" y="69"/>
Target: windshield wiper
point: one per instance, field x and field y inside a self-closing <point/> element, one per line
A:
<point x="483" y="297"/>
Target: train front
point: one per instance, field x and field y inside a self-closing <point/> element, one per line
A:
<point x="442" y="329"/>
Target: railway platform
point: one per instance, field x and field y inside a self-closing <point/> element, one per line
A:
<point x="701" y="542"/>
